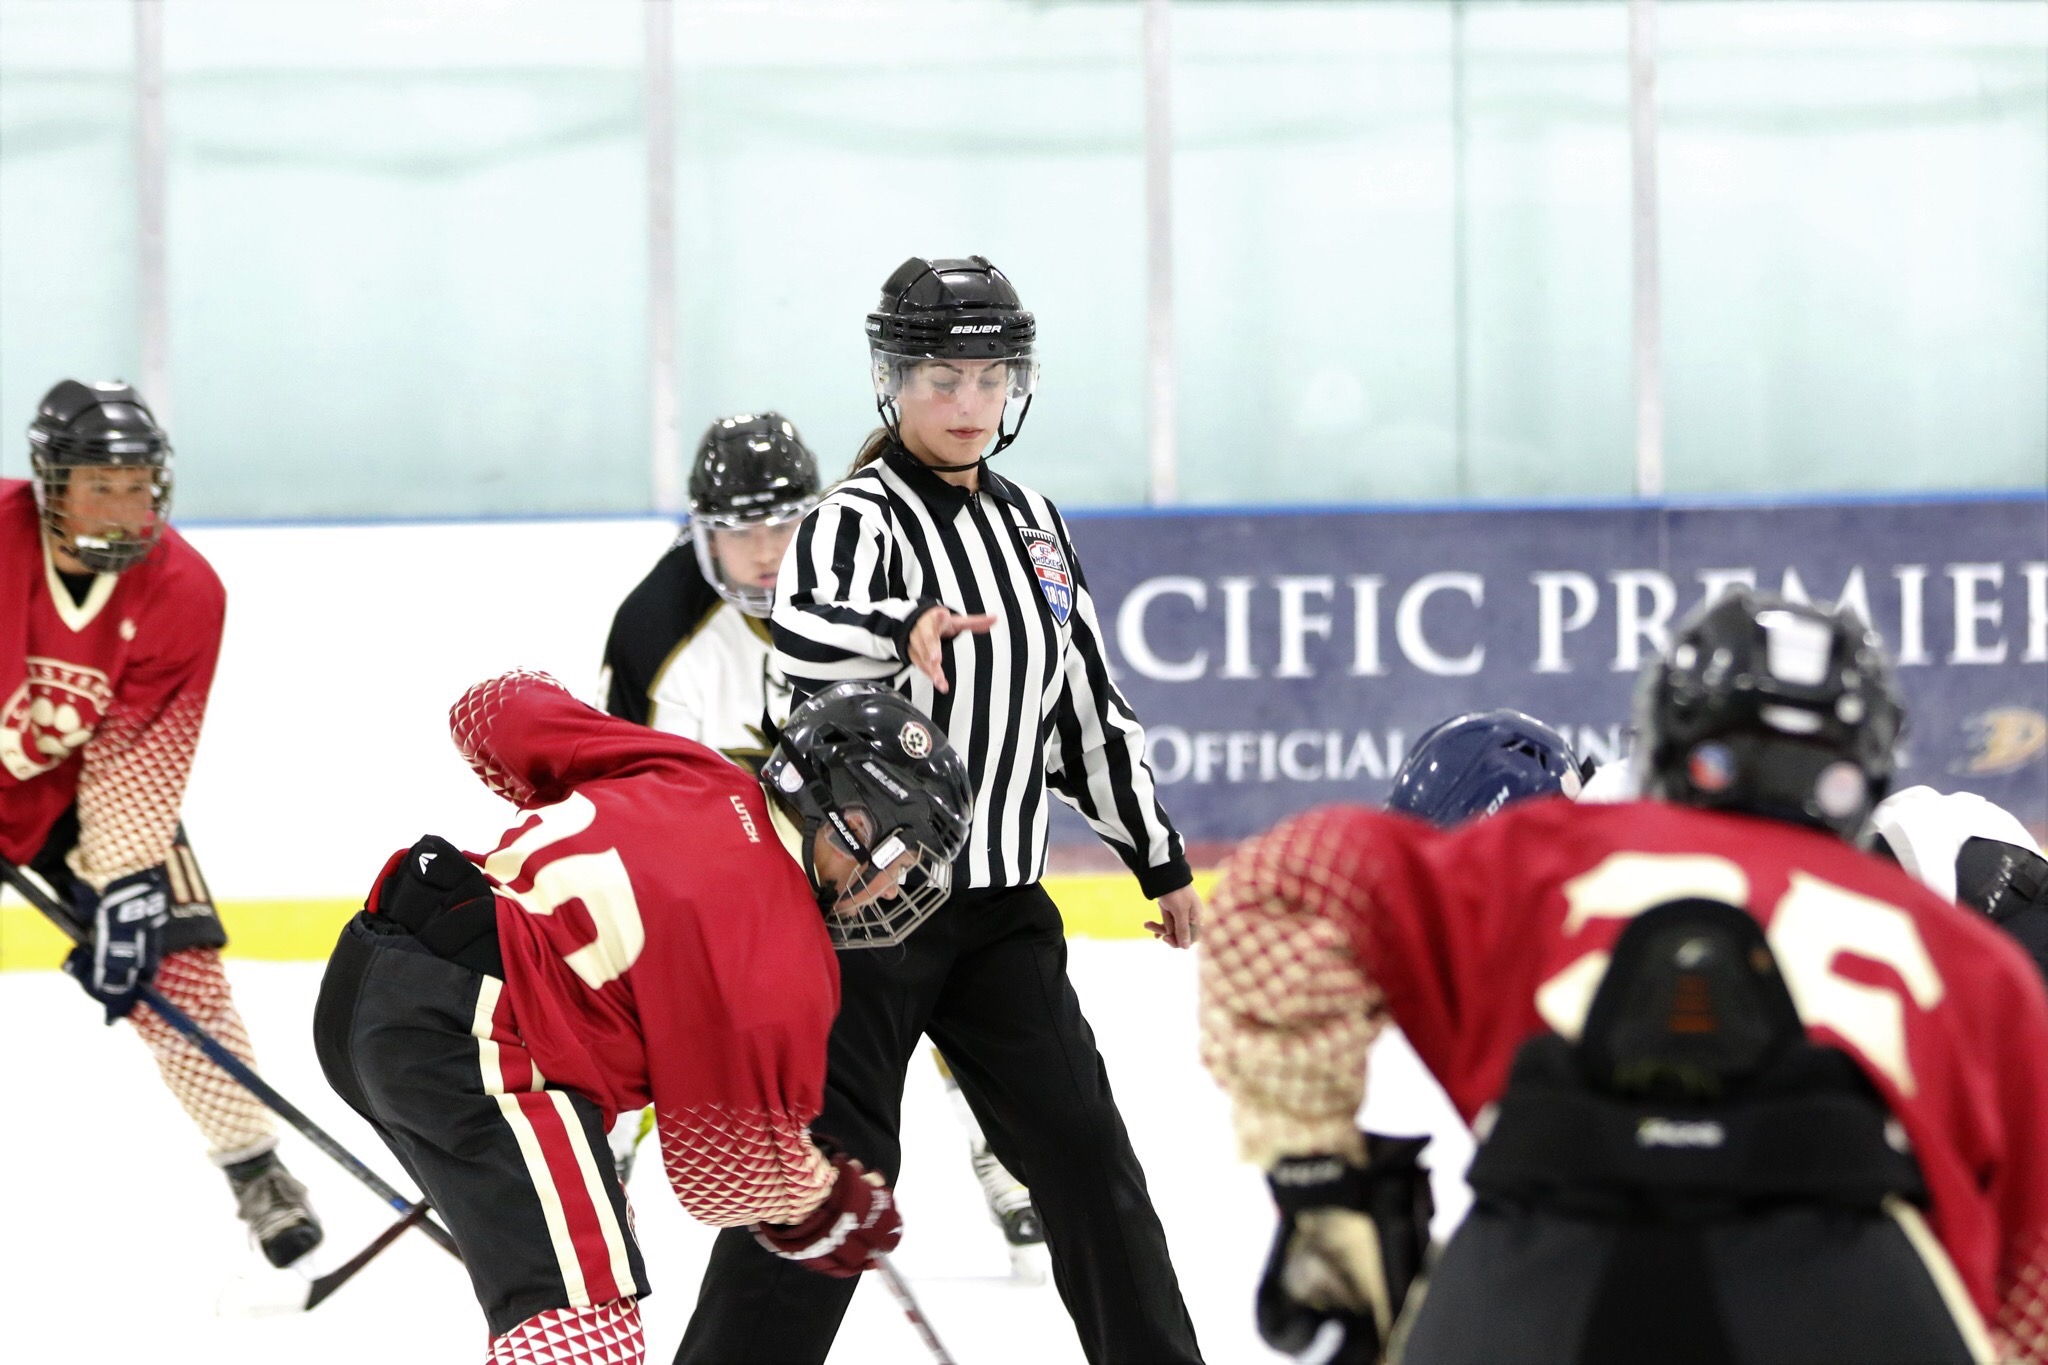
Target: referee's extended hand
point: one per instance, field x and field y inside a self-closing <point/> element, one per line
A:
<point x="929" y="635"/>
<point x="1180" y="918"/>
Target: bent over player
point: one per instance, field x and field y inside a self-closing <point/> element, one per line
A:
<point x="111" y="630"/>
<point x="1746" y="1092"/>
<point x="649" y="932"/>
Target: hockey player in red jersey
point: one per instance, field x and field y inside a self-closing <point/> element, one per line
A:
<point x="111" y="630"/>
<point x="649" y="932"/>
<point x="1746" y="1093"/>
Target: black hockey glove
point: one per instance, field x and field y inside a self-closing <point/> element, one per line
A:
<point x="446" y="902"/>
<point x="127" y="940"/>
<point x="1350" y="1243"/>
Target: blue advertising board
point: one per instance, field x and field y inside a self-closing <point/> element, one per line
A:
<point x="1282" y="659"/>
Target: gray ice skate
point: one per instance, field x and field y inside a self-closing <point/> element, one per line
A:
<point x="273" y="1203"/>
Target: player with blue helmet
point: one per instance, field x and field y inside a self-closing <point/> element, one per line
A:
<point x="1476" y="763"/>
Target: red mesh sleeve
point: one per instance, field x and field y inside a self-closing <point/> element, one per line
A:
<point x="2023" y="1300"/>
<point x="731" y="1166"/>
<point x="138" y="761"/>
<point x="1288" y="1012"/>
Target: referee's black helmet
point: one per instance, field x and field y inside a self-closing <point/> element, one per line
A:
<point x="952" y="310"/>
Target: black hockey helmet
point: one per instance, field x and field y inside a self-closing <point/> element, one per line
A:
<point x="1475" y="764"/>
<point x="951" y="310"/>
<point x="751" y="470"/>
<point x="857" y="763"/>
<point x="1780" y="708"/>
<point x="102" y="425"/>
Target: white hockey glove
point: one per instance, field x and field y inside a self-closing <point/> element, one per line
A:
<point x="1350" y="1243"/>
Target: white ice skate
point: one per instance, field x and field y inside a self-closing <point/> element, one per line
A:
<point x="1011" y="1209"/>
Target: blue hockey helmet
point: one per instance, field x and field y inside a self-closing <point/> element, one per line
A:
<point x="1475" y="764"/>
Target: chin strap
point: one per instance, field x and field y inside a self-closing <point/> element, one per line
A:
<point x="1003" y="438"/>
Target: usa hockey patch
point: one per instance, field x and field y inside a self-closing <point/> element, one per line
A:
<point x="1051" y="567"/>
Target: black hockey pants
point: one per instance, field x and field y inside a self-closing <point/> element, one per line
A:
<point x="986" y="978"/>
<point x="1801" y="1286"/>
<point x="520" y="1172"/>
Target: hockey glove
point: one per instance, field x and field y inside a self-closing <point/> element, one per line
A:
<point x="857" y="1221"/>
<point x="444" y="901"/>
<point x="1350" y="1243"/>
<point x="127" y="940"/>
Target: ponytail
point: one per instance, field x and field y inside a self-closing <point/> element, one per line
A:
<point x="877" y="444"/>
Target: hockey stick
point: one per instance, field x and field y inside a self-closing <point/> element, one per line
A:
<point x="908" y="1303"/>
<point x="233" y="1065"/>
<point x="321" y="1286"/>
<point x="257" y="1298"/>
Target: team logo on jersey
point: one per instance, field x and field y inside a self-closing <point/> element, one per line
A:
<point x="51" y="716"/>
<point x="915" y="739"/>
<point x="2004" y="739"/>
<point x="1051" y="567"/>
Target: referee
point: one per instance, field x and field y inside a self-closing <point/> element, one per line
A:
<point x="926" y="568"/>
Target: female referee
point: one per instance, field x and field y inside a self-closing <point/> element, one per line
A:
<point x="927" y="568"/>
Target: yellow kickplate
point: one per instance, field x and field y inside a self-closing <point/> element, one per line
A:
<point x="1101" y="905"/>
<point x="271" y="931"/>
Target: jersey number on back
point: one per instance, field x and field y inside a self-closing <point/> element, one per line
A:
<point x="1811" y="925"/>
<point x="597" y="880"/>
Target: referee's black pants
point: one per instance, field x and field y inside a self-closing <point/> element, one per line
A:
<point x="986" y="978"/>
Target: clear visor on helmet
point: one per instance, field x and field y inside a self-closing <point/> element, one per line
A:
<point x="740" y="554"/>
<point x="896" y="886"/>
<point x="902" y="378"/>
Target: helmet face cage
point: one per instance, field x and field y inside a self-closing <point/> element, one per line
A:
<point x="859" y="749"/>
<point x="102" y="426"/>
<point x="1473" y="765"/>
<point x="1772" y="707"/>
<point x="922" y="878"/>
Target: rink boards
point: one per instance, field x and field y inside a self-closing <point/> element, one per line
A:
<point x="1279" y="658"/>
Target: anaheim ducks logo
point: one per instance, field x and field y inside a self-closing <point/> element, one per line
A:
<point x="2003" y="739"/>
<point x="51" y="716"/>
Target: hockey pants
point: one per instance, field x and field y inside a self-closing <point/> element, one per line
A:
<point x="520" y="1170"/>
<point x="1800" y="1286"/>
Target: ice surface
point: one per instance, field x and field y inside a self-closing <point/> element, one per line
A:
<point x="116" y="1237"/>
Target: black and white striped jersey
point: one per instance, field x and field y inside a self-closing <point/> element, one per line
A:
<point x="1031" y="703"/>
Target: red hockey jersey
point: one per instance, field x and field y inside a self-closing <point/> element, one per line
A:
<point x="1475" y="940"/>
<point x="661" y="946"/>
<point x="103" y="700"/>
